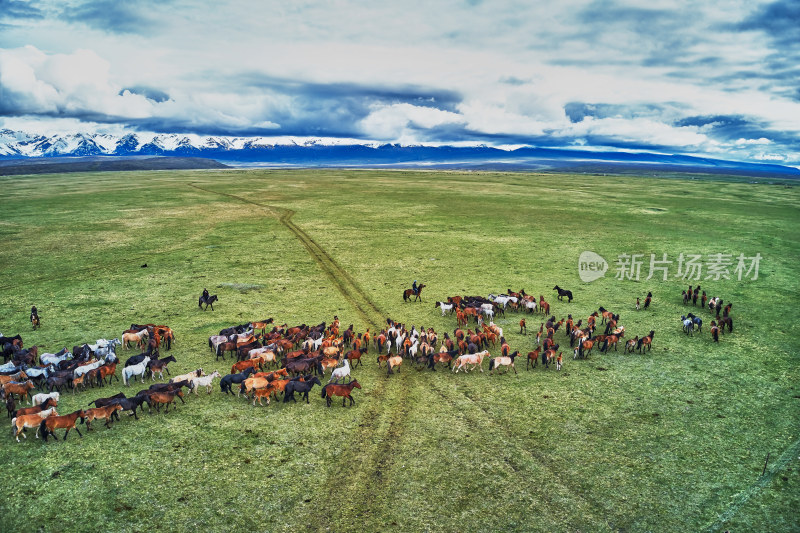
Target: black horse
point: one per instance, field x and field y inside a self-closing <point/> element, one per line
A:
<point x="208" y="301"/>
<point x="226" y="382"/>
<point x="562" y="293"/>
<point x="301" y="387"/>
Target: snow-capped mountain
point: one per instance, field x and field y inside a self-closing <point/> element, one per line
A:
<point x="320" y="152"/>
<point x="17" y="144"/>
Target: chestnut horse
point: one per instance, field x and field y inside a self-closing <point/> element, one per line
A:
<point x="53" y="422"/>
<point x="409" y="294"/>
<point x="332" y="389"/>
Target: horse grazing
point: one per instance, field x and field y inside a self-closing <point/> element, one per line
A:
<point x="331" y="389"/>
<point x="207" y="301"/>
<point x="301" y="387"/>
<point x="507" y="361"/>
<point x="51" y="423"/>
<point x="409" y="294"/>
<point x="562" y="293"/>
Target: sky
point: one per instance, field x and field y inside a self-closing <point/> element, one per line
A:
<point x="717" y="78"/>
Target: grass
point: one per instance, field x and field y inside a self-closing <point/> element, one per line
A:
<point x="669" y="441"/>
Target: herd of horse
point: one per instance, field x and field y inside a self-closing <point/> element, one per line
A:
<point x="279" y="362"/>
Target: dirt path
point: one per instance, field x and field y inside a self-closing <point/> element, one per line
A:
<point x="345" y="284"/>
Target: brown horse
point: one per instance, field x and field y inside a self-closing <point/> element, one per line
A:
<point x="646" y="341"/>
<point x="53" y="422"/>
<point x="101" y="413"/>
<point x="409" y="294"/>
<point x="165" y="398"/>
<point x="21" y="389"/>
<point x="332" y="389"/>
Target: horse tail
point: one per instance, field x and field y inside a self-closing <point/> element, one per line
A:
<point x="491" y="363"/>
<point x="323" y="389"/>
<point x="605" y="346"/>
<point x="124" y="377"/>
<point x="405" y="296"/>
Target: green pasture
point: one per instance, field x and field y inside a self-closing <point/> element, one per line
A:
<point x="675" y="439"/>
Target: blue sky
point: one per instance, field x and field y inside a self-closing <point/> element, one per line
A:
<point x="716" y="78"/>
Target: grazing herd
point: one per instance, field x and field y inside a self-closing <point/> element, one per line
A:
<point x="284" y="362"/>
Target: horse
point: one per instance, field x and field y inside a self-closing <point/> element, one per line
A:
<point x="41" y="398"/>
<point x="189" y="375"/>
<point x="475" y="359"/>
<point x="135" y="370"/>
<point x="723" y="321"/>
<point x="409" y="293"/>
<point x="445" y="307"/>
<point x="101" y="413"/>
<point x="341" y="372"/>
<point x="138" y="338"/>
<point x="714" y="331"/>
<point x="562" y="293"/>
<point x="47" y="404"/>
<point x="51" y="423"/>
<point x="300" y="387"/>
<point x="647" y="300"/>
<point x="393" y="362"/>
<point x="22" y="422"/>
<point x="204" y="381"/>
<point x="160" y="365"/>
<point x="103" y="402"/>
<point x="645" y="341"/>
<point x="20" y="388"/>
<point x="331" y="389"/>
<point x="208" y="301"/>
<point x="225" y="384"/>
<point x="355" y="355"/>
<point x="507" y="361"/>
<point x="688" y="325"/>
<point x="164" y="398"/>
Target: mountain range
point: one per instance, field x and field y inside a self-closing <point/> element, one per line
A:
<point x="311" y="152"/>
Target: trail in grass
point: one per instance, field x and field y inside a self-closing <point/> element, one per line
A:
<point x="381" y="419"/>
<point x="790" y="454"/>
<point x="346" y="285"/>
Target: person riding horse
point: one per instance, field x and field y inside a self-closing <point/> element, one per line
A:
<point x="414" y="287"/>
<point x="205" y="294"/>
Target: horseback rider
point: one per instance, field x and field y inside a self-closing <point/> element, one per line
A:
<point x="414" y="287"/>
<point x="205" y="294"/>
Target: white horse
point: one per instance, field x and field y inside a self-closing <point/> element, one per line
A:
<point x="688" y="325"/>
<point x="81" y="370"/>
<point x="340" y="372"/>
<point x="445" y="307"/>
<point x="41" y="398"/>
<point x="475" y="359"/>
<point x="135" y="370"/>
<point x="204" y="381"/>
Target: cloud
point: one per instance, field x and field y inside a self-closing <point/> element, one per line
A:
<point x="113" y="16"/>
<point x="11" y="10"/>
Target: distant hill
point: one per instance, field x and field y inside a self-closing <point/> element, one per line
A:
<point x="60" y="165"/>
<point x="129" y="152"/>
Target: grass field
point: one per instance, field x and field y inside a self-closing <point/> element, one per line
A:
<point x="673" y="440"/>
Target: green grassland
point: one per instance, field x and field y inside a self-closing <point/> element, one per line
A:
<point x="672" y="440"/>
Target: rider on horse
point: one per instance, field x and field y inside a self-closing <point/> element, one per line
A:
<point x="205" y="294"/>
<point x="414" y="287"/>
